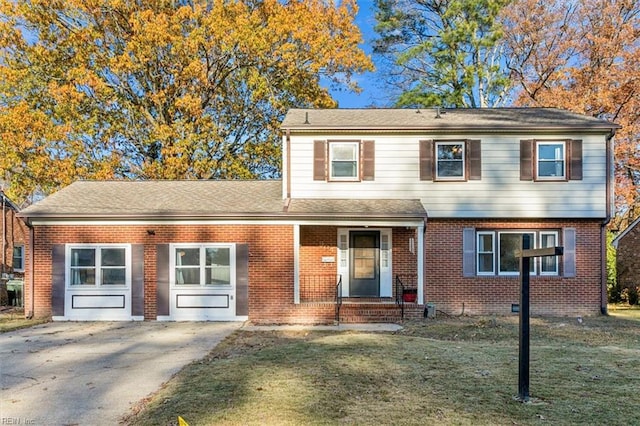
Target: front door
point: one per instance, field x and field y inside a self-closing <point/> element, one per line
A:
<point x="364" y="273"/>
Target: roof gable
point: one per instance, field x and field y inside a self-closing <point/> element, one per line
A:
<point x="621" y="235"/>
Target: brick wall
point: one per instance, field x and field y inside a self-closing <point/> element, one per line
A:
<point x="628" y="259"/>
<point x="270" y="260"/>
<point x="454" y="294"/>
<point x="15" y="233"/>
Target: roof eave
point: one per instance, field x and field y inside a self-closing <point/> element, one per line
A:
<point x="225" y="216"/>
<point x="448" y="128"/>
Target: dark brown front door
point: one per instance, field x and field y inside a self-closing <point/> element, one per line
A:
<point x="364" y="273"/>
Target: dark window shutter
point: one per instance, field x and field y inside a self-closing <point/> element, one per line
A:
<point x="57" y="280"/>
<point x="162" y="275"/>
<point x="575" y="159"/>
<point x="474" y="160"/>
<point x="426" y="159"/>
<point x="319" y="160"/>
<point x="368" y="160"/>
<point x="137" y="280"/>
<point x="526" y="159"/>
<point x="242" y="279"/>
<point x="569" y="254"/>
<point x="469" y="252"/>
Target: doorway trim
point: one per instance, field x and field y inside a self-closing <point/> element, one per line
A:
<point x="384" y="262"/>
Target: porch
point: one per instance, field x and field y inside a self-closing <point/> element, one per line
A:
<point x="324" y="293"/>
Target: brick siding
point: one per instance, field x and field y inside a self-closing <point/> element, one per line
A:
<point x="15" y="234"/>
<point x="556" y="295"/>
<point x="271" y="266"/>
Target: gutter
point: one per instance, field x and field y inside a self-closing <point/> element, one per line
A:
<point x="603" y="227"/>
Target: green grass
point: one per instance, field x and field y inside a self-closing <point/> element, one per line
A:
<point x="14" y="320"/>
<point x="461" y="371"/>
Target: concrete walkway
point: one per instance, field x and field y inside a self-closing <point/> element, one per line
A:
<point x="369" y="327"/>
<point x="92" y="373"/>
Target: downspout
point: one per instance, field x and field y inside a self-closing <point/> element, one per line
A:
<point x="603" y="227"/>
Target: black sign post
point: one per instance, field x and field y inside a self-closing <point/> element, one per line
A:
<point x="525" y="256"/>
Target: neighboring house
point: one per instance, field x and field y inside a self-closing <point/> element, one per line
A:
<point x="371" y="203"/>
<point x="12" y="263"/>
<point x="627" y="245"/>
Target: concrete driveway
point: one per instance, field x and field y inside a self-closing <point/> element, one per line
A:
<point x="92" y="373"/>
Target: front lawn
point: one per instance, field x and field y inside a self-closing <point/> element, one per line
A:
<point x="461" y="371"/>
<point x="13" y="319"/>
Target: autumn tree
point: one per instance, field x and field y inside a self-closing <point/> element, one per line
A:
<point x="162" y="89"/>
<point x="443" y="52"/>
<point x="584" y="56"/>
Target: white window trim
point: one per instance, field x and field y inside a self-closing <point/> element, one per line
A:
<point x="557" y="271"/>
<point x="537" y="242"/>
<point x="97" y="285"/>
<point x="202" y="267"/>
<point x="493" y="253"/>
<point x="463" y="176"/>
<point x="564" y="160"/>
<point x="21" y="268"/>
<point x="355" y="178"/>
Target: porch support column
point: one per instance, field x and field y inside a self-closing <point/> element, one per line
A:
<point x="296" y="264"/>
<point x="420" y="255"/>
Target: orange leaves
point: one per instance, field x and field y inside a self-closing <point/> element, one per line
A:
<point x="154" y="89"/>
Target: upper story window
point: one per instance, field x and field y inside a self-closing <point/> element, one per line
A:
<point x="18" y="258"/>
<point x="551" y="160"/>
<point x="450" y="160"/>
<point x="344" y="159"/>
<point x="98" y="266"/>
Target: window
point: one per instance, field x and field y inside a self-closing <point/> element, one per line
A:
<point x="343" y="157"/>
<point x="548" y="264"/>
<point x="18" y="258"/>
<point x="508" y="243"/>
<point x="486" y="253"/>
<point x="98" y="266"/>
<point x="202" y="265"/>
<point x="495" y="251"/>
<point x="551" y="160"/>
<point x="450" y="159"/>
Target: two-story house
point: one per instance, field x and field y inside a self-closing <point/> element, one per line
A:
<point x="372" y="204"/>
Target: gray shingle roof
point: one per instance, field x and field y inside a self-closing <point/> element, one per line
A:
<point x="396" y="208"/>
<point x="205" y="199"/>
<point x="161" y="198"/>
<point x="488" y="119"/>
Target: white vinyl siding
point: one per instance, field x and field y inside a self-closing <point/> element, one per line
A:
<point x="499" y="193"/>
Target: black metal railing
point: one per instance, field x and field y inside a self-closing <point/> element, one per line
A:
<point x="399" y="298"/>
<point x="338" y="298"/>
<point x="406" y="287"/>
<point x="318" y="288"/>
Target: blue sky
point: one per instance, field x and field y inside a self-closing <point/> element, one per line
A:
<point x="370" y="95"/>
